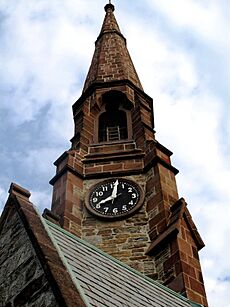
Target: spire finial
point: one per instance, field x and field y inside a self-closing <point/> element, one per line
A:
<point x="109" y="6"/>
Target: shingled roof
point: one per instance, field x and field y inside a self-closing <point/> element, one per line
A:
<point x="79" y="273"/>
<point x="105" y="281"/>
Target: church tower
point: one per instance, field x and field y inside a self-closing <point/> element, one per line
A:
<point x="116" y="185"/>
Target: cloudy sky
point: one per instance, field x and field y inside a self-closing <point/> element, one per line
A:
<point x="181" y="52"/>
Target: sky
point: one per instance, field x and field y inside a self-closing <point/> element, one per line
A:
<point x="180" y="49"/>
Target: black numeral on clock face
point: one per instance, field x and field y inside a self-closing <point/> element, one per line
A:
<point x="114" y="197"/>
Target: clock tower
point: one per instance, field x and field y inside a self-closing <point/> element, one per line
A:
<point x="115" y="187"/>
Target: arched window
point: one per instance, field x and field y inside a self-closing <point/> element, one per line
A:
<point x="113" y="125"/>
<point x="114" y="121"/>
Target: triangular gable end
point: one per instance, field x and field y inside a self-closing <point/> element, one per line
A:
<point x="31" y="271"/>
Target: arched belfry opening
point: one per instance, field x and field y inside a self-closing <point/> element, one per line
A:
<point x="113" y="125"/>
<point x="114" y="120"/>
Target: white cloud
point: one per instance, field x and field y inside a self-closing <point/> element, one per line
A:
<point x="3" y="197"/>
<point x="41" y="199"/>
<point x="38" y="157"/>
<point x="218" y="292"/>
<point x="207" y="19"/>
<point x="43" y="57"/>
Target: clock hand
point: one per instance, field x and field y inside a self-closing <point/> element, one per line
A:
<point x="114" y="193"/>
<point x="105" y="200"/>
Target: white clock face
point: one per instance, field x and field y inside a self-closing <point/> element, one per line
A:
<point x="114" y="198"/>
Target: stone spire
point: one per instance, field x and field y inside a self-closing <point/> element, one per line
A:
<point x="111" y="60"/>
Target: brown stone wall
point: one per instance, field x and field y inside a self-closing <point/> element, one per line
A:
<point x="22" y="279"/>
<point x="67" y="202"/>
<point x="160" y="257"/>
<point x="142" y="119"/>
<point x="138" y="129"/>
<point x="189" y="265"/>
<point x="165" y="194"/>
<point x="127" y="239"/>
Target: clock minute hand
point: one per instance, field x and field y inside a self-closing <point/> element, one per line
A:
<point x="114" y="193"/>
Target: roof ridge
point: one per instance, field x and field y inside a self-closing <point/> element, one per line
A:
<point x="87" y="244"/>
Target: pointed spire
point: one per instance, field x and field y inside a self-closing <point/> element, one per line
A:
<point x="110" y="23"/>
<point x="111" y="60"/>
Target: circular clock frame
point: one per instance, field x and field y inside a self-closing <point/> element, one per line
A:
<point x="129" y="197"/>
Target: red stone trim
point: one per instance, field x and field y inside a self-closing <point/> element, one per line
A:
<point x="113" y="32"/>
<point x="162" y="239"/>
<point x="179" y="211"/>
<point x="196" y="236"/>
<point x="65" y="169"/>
<point x="61" y="158"/>
<point x="50" y="216"/>
<point x="113" y="156"/>
<point x="18" y="190"/>
<point x="157" y="160"/>
<point x="108" y="85"/>
<point x="163" y="148"/>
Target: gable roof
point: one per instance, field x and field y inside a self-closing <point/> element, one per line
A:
<point x="82" y="274"/>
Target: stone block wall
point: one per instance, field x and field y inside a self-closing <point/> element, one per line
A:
<point x="22" y="279"/>
<point x="127" y="239"/>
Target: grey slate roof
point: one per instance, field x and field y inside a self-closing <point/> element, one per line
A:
<point x="104" y="281"/>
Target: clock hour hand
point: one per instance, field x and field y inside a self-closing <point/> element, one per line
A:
<point x="105" y="200"/>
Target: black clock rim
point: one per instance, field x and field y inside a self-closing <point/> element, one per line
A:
<point x="118" y="216"/>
